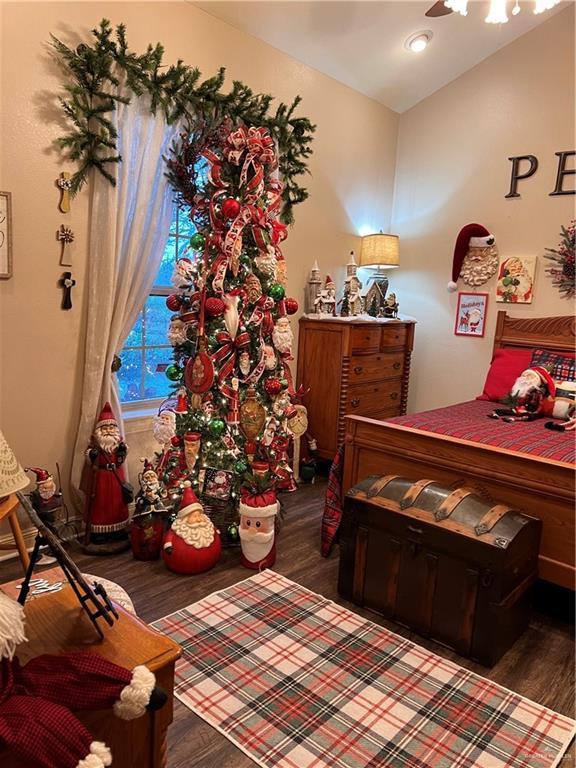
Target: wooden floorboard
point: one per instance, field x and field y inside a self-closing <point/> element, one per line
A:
<point x="539" y="666"/>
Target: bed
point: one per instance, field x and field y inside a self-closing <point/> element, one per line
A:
<point x="541" y="482"/>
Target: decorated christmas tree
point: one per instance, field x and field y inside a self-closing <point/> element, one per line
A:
<point x="234" y="402"/>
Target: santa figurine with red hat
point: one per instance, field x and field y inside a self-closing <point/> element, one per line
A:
<point x="531" y="397"/>
<point x="475" y="258"/>
<point x="109" y="493"/>
<point x="45" y="498"/>
<point x="258" y="510"/>
<point x="192" y="544"/>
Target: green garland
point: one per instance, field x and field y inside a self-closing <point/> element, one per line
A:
<point x="562" y="272"/>
<point x="94" y="88"/>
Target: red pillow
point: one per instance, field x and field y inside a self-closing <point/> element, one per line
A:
<point x="506" y="366"/>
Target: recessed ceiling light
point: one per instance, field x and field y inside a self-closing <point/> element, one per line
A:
<point x="418" y="41"/>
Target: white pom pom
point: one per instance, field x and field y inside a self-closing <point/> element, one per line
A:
<point x="135" y="696"/>
<point x="99" y="756"/>
<point x="11" y="626"/>
<point x="452" y="286"/>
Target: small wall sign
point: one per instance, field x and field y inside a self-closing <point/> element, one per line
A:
<point x="471" y="314"/>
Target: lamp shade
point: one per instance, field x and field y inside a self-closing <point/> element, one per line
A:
<point x="12" y="477"/>
<point x="380" y="250"/>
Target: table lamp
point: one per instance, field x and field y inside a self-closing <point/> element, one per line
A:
<point x="380" y="250"/>
<point x="12" y="477"/>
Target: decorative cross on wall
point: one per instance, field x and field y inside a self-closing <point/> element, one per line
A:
<point x="67" y="283"/>
<point x="64" y="184"/>
<point x="65" y="236"/>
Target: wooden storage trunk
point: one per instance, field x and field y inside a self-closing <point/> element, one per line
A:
<point x="445" y="562"/>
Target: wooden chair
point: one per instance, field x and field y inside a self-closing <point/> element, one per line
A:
<point x="8" y="507"/>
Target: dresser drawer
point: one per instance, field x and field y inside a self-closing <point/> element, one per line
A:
<point x="365" y="339"/>
<point x="393" y="336"/>
<point x="386" y="365"/>
<point x="367" y="399"/>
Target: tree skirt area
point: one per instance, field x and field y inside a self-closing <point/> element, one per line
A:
<point x="296" y="681"/>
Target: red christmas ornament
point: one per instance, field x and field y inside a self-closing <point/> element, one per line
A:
<point x="230" y="208"/>
<point x="174" y="302"/>
<point x="272" y="386"/>
<point x="291" y="306"/>
<point x="214" y="307"/>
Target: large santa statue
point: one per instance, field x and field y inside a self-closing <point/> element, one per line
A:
<point x="192" y="544"/>
<point x="257" y="519"/>
<point x="109" y="494"/>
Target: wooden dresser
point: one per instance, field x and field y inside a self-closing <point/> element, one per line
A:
<point x="359" y="367"/>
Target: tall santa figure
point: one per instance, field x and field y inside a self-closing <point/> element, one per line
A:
<point x="109" y="494"/>
<point x="192" y="545"/>
<point x="257" y="519"/>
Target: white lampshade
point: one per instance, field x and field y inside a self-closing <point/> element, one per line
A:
<point x="12" y="477"/>
<point x="380" y="250"/>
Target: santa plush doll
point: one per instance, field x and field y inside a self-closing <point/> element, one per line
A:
<point x="257" y="518"/>
<point x="192" y="545"/>
<point x="36" y="722"/>
<point x="531" y="397"/>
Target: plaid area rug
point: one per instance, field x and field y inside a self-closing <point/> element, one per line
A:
<point x="296" y="681"/>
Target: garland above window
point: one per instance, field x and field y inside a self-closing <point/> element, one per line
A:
<point x="95" y="73"/>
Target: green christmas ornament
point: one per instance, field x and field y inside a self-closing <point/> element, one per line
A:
<point x="197" y="241"/>
<point x="277" y="292"/>
<point x="173" y="372"/>
<point x="240" y="466"/>
<point x="233" y="533"/>
<point x="217" y="427"/>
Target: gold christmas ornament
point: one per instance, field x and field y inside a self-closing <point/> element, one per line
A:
<point x="298" y="422"/>
<point x="252" y="415"/>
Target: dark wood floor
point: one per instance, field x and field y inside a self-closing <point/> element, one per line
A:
<point x="539" y="666"/>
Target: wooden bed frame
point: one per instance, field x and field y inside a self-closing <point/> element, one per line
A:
<point x="541" y="487"/>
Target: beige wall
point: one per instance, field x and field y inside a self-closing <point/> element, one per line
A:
<point x="41" y="346"/>
<point x="452" y="169"/>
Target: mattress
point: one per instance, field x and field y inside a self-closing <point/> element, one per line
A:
<point x="469" y="421"/>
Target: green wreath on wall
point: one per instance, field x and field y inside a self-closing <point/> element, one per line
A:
<point x="93" y="88"/>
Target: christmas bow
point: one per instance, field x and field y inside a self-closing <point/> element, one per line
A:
<point x="225" y="358"/>
<point x="256" y="146"/>
<point x="262" y="315"/>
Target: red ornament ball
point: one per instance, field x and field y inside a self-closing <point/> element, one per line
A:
<point x="230" y="208"/>
<point x="214" y="307"/>
<point x="173" y="302"/>
<point x="272" y="386"/>
<point x="291" y="306"/>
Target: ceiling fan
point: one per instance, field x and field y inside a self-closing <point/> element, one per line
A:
<point x="437" y="10"/>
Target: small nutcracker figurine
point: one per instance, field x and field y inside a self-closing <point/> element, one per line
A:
<point x="109" y="493"/>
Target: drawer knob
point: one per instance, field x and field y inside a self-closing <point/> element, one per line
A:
<point x="397" y="366"/>
<point x="358" y="369"/>
<point x="394" y="396"/>
<point x="355" y="401"/>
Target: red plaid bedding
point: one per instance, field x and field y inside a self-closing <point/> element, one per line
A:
<point x="469" y="421"/>
<point x="296" y="681"/>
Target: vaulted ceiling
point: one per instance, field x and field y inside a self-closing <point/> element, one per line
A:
<point x="361" y="43"/>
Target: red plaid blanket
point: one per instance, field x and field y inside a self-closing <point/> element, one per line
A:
<point x="296" y="681"/>
<point x="469" y="421"/>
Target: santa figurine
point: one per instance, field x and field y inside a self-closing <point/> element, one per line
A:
<point x="531" y="397"/>
<point x="192" y="545"/>
<point x="37" y="724"/>
<point x="147" y="527"/>
<point x="109" y="494"/>
<point x="475" y="258"/>
<point x="45" y="498"/>
<point x="257" y="537"/>
<point x="183" y="274"/>
<point x="283" y="337"/>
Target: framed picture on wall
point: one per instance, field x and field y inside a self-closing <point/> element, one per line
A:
<point x="515" y="283"/>
<point x="5" y="235"/>
<point x="471" y="314"/>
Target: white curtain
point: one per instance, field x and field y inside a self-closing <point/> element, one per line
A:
<point x="129" y="226"/>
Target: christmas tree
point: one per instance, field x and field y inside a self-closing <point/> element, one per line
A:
<point x="233" y="396"/>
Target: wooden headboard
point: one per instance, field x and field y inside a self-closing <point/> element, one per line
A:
<point x="554" y="333"/>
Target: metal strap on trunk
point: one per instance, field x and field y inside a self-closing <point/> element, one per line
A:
<point x="412" y="493"/>
<point x="451" y="502"/>
<point x="379" y="484"/>
<point x="490" y="519"/>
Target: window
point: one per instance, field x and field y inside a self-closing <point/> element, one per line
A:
<point x="147" y="345"/>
